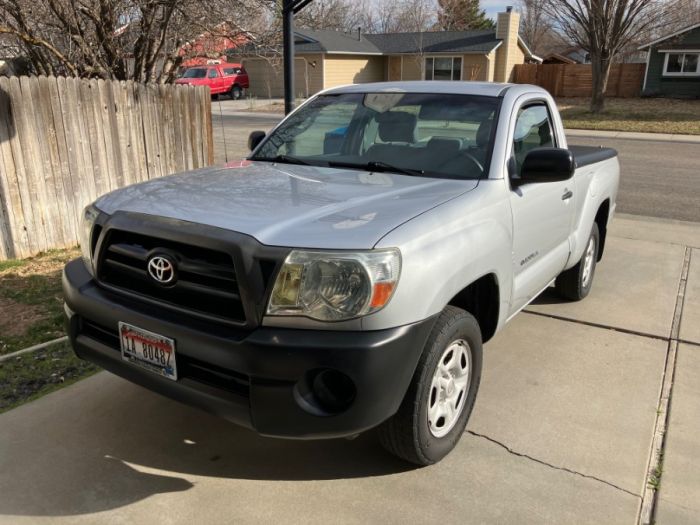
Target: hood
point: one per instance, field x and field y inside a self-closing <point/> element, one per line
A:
<point x="290" y="205"/>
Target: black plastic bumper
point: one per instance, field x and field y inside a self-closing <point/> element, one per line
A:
<point x="250" y="378"/>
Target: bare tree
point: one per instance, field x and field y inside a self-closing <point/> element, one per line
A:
<point x="340" y="15"/>
<point x="536" y="27"/>
<point x="143" y="40"/>
<point x="605" y="28"/>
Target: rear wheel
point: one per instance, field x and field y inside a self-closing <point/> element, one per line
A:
<point x="440" y="398"/>
<point x="236" y="92"/>
<point x="575" y="283"/>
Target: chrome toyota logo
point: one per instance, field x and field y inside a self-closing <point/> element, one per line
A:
<point x="161" y="269"/>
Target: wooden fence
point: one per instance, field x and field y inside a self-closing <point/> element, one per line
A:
<point x="65" y="141"/>
<point x="576" y="80"/>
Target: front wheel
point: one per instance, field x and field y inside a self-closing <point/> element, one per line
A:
<point x="575" y="283"/>
<point x="440" y="398"/>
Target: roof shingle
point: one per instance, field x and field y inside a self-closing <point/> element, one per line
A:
<point x="326" y="41"/>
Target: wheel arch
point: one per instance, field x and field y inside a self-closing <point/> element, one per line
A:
<point x="482" y="299"/>
<point x="602" y="217"/>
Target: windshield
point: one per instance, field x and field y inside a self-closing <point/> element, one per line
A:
<point x="433" y="135"/>
<point x="195" y="73"/>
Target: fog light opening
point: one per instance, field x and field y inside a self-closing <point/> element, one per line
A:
<point x="325" y="392"/>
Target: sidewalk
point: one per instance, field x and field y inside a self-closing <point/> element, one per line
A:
<point x="561" y="433"/>
<point x="659" y="137"/>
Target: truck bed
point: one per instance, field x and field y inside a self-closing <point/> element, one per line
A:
<point x="585" y="155"/>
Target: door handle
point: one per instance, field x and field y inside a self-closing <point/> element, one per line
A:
<point x="567" y="195"/>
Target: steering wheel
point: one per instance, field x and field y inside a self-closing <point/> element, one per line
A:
<point x="474" y="160"/>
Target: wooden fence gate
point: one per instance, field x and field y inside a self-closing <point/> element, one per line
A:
<point x="66" y="141"/>
<point x="576" y="80"/>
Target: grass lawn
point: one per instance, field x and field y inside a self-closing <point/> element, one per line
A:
<point x="31" y="300"/>
<point x="649" y="115"/>
<point x="35" y="374"/>
<point x="31" y="306"/>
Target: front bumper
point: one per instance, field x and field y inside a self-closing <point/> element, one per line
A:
<point x="250" y="377"/>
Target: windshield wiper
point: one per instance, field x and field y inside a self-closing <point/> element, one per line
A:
<point x="376" y="165"/>
<point x="285" y="159"/>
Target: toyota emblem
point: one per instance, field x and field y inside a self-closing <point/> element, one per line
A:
<point x="161" y="269"/>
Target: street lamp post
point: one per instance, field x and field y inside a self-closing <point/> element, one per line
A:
<point x="289" y="9"/>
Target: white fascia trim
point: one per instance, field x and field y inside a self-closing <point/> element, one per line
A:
<point x="694" y="26"/>
<point x="697" y="50"/>
<point x="354" y="53"/>
<point x="530" y="54"/>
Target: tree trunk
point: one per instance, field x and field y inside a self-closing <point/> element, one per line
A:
<point x="601" y="71"/>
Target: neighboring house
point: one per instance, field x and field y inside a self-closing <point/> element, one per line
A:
<point x="210" y="47"/>
<point x="673" y="64"/>
<point x="557" y="58"/>
<point x="325" y="59"/>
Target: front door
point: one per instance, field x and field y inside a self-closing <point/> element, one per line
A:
<point x="542" y="212"/>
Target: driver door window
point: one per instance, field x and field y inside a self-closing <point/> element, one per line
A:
<point x="533" y="129"/>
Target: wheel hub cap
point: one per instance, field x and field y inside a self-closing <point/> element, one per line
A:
<point x="449" y="388"/>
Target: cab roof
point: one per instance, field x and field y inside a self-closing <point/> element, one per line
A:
<point x="488" y="89"/>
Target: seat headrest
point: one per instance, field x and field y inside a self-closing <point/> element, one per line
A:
<point x="397" y="126"/>
<point x="445" y="145"/>
<point x="483" y="134"/>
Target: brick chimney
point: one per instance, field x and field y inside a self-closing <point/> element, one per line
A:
<point x="509" y="53"/>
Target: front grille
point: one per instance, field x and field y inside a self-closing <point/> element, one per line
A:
<point x="206" y="279"/>
<point x="187" y="367"/>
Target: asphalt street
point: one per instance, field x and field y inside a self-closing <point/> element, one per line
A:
<point x="659" y="179"/>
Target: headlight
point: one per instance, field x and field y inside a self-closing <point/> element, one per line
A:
<point x="88" y="219"/>
<point x="335" y="286"/>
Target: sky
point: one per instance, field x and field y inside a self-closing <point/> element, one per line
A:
<point x="492" y="7"/>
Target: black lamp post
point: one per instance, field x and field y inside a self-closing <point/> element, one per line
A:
<point x="289" y="9"/>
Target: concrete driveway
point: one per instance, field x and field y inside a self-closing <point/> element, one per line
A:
<point x="561" y="433"/>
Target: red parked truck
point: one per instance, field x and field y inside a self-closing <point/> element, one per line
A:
<point x="230" y="79"/>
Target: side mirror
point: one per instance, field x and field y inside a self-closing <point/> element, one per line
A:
<point x="547" y="165"/>
<point x="254" y="139"/>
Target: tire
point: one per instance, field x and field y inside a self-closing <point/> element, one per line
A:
<point x="235" y="92"/>
<point x="408" y="433"/>
<point x="575" y="283"/>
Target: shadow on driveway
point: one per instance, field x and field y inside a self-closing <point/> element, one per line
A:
<point x="113" y="444"/>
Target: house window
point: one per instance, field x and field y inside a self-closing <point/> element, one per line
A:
<point x="682" y="64"/>
<point x="443" y="68"/>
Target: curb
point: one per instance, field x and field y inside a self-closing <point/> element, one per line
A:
<point x="253" y="114"/>
<point x="34" y="348"/>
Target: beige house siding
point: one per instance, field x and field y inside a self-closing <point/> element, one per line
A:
<point x="353" y="69"/>
<point x="394" y="68"/>
<point x="475" y="67"/>
<point x="413" y="67"/>
<point x="266" y="80"/>
<point x="315" y="65"/>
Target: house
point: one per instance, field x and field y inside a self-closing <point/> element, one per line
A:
<point x="673" y="64"/>
<point x="325" y="59"/>
<point x="558" y="58"/>
<point x="211" y="46"/>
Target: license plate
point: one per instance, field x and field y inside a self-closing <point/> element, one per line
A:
<point x="151" y="351"/>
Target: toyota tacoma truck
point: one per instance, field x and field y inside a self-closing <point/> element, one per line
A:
<point x="346" y="274"/>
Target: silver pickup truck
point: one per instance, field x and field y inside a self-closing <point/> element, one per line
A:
<point x="345" y="275"/>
